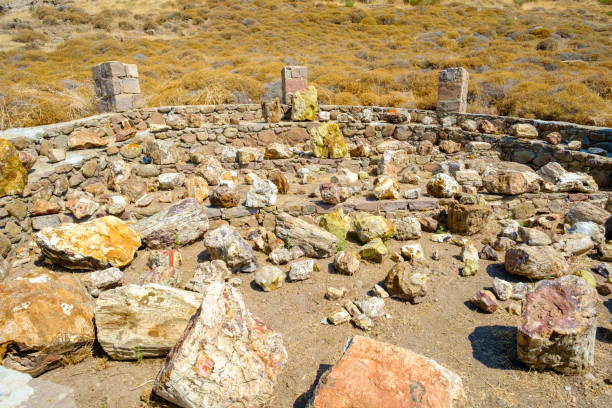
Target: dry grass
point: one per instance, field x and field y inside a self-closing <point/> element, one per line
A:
<point x="550" y="60"/>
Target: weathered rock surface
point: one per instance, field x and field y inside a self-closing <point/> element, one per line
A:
<point x="207" y="273"/>
<point x="485" y="301"/>
<point x="225" y="197"/>
<point x="143" y="321"/>
<point x="374" y="251"/>
<point x="301" y="270"/>
<point x="226" y="357"/>
<point x="13" y="176"/>
<point x="369" y="227"/>
<point x="336" y="222"/>
<point x="97" y="282"/>
<point x="535" y="262"/>
<point x="442" y="185"/>
<point x="304" y="104"/>
<point x="46" y="321"/>
<point x="269" y="278"/>
<point x="467" y="219"/>
<point x="407" y="228"/>
<point x="262" y="194"/>
<point x="97" y="244"/>
<point x="333" y="193"/>
<point x="386" y="188"/>
<point x="406" y="282"/>
<point x="177" y="225"/>
<point x="314" y="241"/>
<point x="410" y="379"/>
<point x="558" y="326"/>
<point x="327" y="141"/>
<point x="226" y="243"/>
<point x="346" y="263"/>
<point x="564" y="180"/>
<point x="585" y="211"/>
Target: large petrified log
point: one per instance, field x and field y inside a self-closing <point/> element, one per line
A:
<point x="535" y="262"/>
<point x="225" y="358"/>
<point x="314" y="241"/>
<point x="558" y="326"/>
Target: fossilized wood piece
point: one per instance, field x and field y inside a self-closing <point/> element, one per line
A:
<point x="535" y="262"/>
<point x="467" y="219"/>
<point x="178" y="225"/>
<point x="314" y="241"/>
<point x="46" y="321"/>
<point x="376" y="374"/>
<point x="558" y="326"/>
<point x="96" y="244"/>
<point x="143" y="321"/>
<point x="225" y="358"/>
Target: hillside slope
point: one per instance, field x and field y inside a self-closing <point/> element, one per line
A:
<point x="550" y="60"/>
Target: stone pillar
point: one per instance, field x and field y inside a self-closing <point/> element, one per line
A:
<point x="294" y="79"/>
<point x="117" y="86"/>
<point x="452" y="90"/>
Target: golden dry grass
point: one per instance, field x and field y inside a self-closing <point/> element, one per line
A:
<point x="548" y="60"/>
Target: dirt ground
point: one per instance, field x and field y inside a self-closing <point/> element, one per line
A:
<point x="480" y="347"/>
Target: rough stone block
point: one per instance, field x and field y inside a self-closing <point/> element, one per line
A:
<point x="294" y="78"/>
<point x="131" y="70"/>
<point x="130" y="86"/>
<point x="113" y="69"/>
<point x="452" y="90"/>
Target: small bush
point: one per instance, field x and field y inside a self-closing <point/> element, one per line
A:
<point x="27" y="35"/>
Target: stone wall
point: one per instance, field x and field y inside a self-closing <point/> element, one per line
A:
<point x="78" y="155"/>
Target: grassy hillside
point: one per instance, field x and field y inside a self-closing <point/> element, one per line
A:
<point x="550" y="60"/>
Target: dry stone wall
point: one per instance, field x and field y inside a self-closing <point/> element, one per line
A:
<point x="80" y="155"/>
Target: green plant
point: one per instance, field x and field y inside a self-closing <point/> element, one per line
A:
<point x="342" y="245"/>
<point x="288" y="244"/>
<point x="587" y="170"/>
<point x="138" y="354"/>
<point x="441" y="230"/>
<point x="349" y="3"/>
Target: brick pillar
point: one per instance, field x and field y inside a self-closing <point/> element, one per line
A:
<point x="117" y="87"/>
<point x="452" y="90"/>
<point x="294" y="79"/>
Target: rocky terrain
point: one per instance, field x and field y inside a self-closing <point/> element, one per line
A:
<point x="305" y="255"/>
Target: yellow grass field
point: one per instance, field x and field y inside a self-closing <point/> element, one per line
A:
<point x="550" y="60"/>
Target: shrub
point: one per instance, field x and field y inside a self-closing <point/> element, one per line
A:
<point x="27" y="35"/>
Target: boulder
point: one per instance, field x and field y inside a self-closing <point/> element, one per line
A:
<point x="502" y="289"/>
<point x="280" y="181"/>
<point x="301" y="270"/>
<point x="386" y="188"/>
<point x="97" y="282"/>
<point x="346" y="263"/>
<point x="278" y="151"/>
<point x="407" y="282"/>
<point x="524" y="131"/>
<point x="410" y="379"/>
<point x="224" y="197"/>
<point x="179" y="224"/>
<point x="336" y="222"/>
<point x="197" y="188"/>
<point x="207" y="273"/>
<point x="374" y="251"/>
<point x="533" y="237"/>
<point x="225" y="243"/>
<point x="467" y="219"/>
<point x="507" y="183"/>
<point x="46" y="321"/>
<point x="304" y="104"/>
<point x="333" y="193"/>
<point x="96" y="244"/>
<point x="160" y="151"/>
<point x="327" y="141"/>
<point x="535" y="262"/>
<point x="392" y="162"/>
<point x="250" y="154"/>
<point x="442" y="185"/>
<point x="585" y="211"/>
<point x="13" y="175"/>
<point x="225" y="355"/>
<point x="369" y="227"/>
<point x="269" y="278"/>
<point x="143" y="321"/>
<point x="485" y="301"/>
<point x="261" y="194"/>
<point x="272" y="110"/>
<point x="85" y="139"/>
<point x="210" y="169"/>
<point x="407" y="228"/>
<point x="558" y="326"/>
<point x="564" y="180"/>
<point x="314" y="241"/>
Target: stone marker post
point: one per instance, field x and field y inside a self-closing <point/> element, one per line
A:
<point x="117" y="87"/>
<point x="452" y="90"/>
<point x="294" y="79"/>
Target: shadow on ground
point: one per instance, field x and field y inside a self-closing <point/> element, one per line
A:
<point x="302" y="400"/>
<point x="495" y="346"/>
